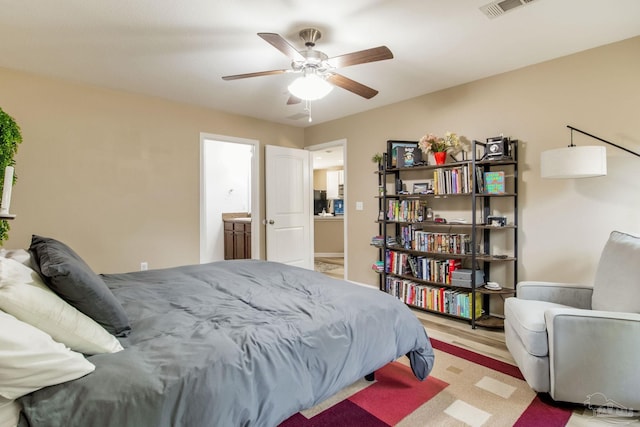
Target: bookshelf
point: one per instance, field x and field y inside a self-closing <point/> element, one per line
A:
<point x="445" y="231"/>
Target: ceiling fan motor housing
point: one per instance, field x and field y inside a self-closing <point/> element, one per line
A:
<point x="312" y="59"/>
<point x="310" y="36"/>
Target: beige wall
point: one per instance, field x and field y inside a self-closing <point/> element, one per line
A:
<point x="564" y="223"/>
<point x="116" y="175"/>
<point x="113" y="174"/>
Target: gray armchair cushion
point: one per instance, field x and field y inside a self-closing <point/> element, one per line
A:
<point x="571" y="294"/>
<point x="617" y="282"/>
<point x="526" y="317"/>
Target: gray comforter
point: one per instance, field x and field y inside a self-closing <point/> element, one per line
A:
<point x="233" y="343"/>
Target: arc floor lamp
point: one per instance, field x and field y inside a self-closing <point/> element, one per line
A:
<point x="577" y="161"/>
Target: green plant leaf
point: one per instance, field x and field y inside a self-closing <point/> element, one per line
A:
<point x="10" y="137"/>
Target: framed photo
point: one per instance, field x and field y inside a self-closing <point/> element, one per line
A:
<point x="497" y="221"/>
<point x="407" y="157"/>
<point x="423" y="187"/>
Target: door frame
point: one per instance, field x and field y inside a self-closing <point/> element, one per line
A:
<point x="323" y="146"/>
<point x="255" y="191"/>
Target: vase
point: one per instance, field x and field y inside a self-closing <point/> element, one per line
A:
<point x="440" y="157"/>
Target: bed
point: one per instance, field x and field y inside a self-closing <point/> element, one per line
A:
<point x="230" y="343"/>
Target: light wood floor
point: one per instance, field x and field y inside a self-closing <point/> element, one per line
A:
<point x="489" y="342"/>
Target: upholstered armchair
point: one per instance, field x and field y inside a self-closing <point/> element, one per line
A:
<point x="574" y="341"/>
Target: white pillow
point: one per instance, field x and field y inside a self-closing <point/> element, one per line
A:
<point x="9" y="413"/>
<point x="31" y="359"/>
<point x="21" y="255"/>
<point x="24" y="295"/>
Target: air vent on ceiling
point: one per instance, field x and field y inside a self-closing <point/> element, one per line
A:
<point x="298" y="116"/>
<point x="499" y="8"/>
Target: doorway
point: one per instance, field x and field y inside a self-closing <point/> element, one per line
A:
<point x="330" y="213"/>
<point x="228" y="184"/>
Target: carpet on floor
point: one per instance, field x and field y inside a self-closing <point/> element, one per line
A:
<point x="323" y="267"/>
<point x="464" y="388"/>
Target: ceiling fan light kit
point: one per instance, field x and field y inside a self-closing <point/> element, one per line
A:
<point x="318" y="71"/>
<point x="310" y="87"/>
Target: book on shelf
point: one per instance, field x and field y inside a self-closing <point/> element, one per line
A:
<point x="454" y="180"/>
<point x="421" y="267"/>
<point x="494" y="182"/>
<point x="413" y="264"/>
<point x="405" y="210"/>
<point x="479" y="180"/>
<point x="448" y="243"/>
<point x="456" y="302"/>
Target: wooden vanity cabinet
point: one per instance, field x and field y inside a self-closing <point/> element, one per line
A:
<point x="237" y="238"/>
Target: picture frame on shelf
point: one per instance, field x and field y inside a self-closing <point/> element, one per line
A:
<point x="393" y="150"/>
<point x="496" y="221"/>
<point x="408" y="157"/>
<point x="423" y="187"/>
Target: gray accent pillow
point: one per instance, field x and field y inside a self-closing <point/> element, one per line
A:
<point x="616" y="285"/>
<point x="70" y="277"/>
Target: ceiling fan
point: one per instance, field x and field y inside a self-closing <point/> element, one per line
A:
<point x="315" y="64"/>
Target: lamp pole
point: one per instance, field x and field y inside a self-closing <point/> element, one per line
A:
<point x="599" y="139"/>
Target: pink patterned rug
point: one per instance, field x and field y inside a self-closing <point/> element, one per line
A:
<point x="465" y="388"/>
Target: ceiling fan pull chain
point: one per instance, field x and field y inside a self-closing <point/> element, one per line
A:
<point x="307" y="108"/>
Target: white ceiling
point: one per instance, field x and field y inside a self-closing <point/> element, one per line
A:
<point x="328" y="158"/>
<point x="179" y="50"/>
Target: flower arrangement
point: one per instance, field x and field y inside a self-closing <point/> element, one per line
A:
<point x="432" y="144"/>
<point x="452" y="141"/>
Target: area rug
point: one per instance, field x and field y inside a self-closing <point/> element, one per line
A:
<point x="323" y="267"/>
<point x="464" y="388"/>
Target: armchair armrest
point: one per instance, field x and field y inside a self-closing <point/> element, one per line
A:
<point x="571" y="294"/>
<point x="594" y="352"/>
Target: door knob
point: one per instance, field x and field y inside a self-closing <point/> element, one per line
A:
<point x="271" y="222"/>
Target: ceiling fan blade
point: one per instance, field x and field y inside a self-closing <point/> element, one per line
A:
<point x="258" y="74"/>
<point x="361" y="57"/>
<point x="293" y="100"/>
<point x="352" y="85"/>
<point x="282" y="45"/>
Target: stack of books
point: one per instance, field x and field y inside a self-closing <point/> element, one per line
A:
<point x="378" y="266"/>
<point x="377" y="240"/>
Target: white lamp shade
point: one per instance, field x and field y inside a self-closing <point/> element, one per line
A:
<point x="310" y="87"/>
<point x="574" y="162"/>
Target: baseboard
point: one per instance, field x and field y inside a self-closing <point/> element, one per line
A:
<point x="363" y="284"/>
<point x="329" y="255"/>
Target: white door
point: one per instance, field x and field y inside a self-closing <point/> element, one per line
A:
<point x="288" y="206"/>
